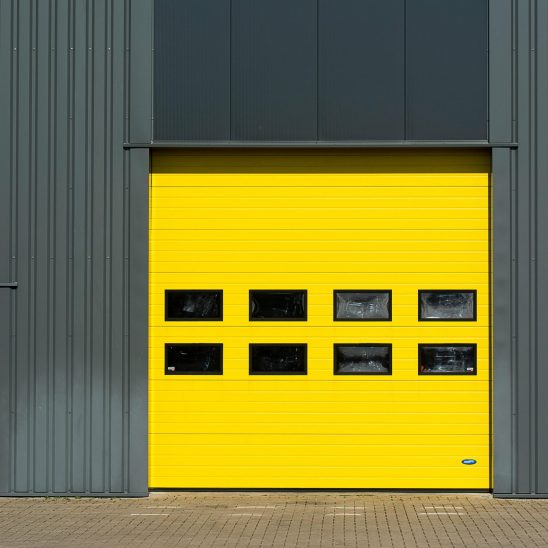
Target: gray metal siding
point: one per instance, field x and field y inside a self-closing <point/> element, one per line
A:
<point x="274" y="70"/>
<point x="317" y="71"/>
<point x="5" y="270"/>
<point x="519" y="111"/>
<point x="540" y="242"/>
<point x="361" y="70"/>
<point x="73" y="367"/>
<point x="446" y="62"/>
<point x="5" y="361"/>
<point x="192" y="46"/>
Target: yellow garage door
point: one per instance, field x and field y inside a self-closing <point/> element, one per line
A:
<point x="319" y="319"/>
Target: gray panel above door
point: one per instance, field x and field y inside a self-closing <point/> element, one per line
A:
<point x="192" y="70"/>
<point x="361" y="70"/>
<point x="446" y="69"/>
<point x="274" y="70"/>
<point x="290" y="71"/>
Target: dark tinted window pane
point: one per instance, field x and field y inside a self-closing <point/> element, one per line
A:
<point x="455" y="359"/>
<point x="363" y="305"/>
<point x="283" y="359"/>
<point x="277" y="305"/>
<point x="194" y="305"/>
<point x="189" y="359"/>
<point x="363" y="359"/>
<point x="447" y="305"/>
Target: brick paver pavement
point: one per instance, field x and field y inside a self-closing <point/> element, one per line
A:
<point x="275" y="519"/>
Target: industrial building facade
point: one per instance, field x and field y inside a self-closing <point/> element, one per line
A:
<point x="258" y="244"/>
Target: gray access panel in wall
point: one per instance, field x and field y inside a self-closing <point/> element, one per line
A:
<point x="192" y="69"/>
<point x="274" y="70"/>
<point x="446" y="76"/>
<point x="361" y="70"/>
<point x="270" y="71"/>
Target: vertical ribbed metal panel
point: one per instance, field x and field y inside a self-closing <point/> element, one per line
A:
<point x="73" y="216"/>
<point x="519" y="112"/>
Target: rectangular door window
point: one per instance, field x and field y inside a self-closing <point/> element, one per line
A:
<point x="362" y="305"/>
<point x="447" y="305"/>
<point x="277" y="359"/>
<point x="363" y="359"/>
<point x="194" y="304"/>
<point x="277" y="305"/>
<point x="447" y="359"/>
<point x="194" y="359"/>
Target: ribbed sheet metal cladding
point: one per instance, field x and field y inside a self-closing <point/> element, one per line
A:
<point x="519" y="112"/>
<point x="73" y="222"/>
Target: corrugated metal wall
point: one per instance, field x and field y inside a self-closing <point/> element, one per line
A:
<point x="73" y="235"/>
<point x="519" y="112"/>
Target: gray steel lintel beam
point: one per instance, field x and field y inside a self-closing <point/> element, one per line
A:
<point x="321" y="144"/>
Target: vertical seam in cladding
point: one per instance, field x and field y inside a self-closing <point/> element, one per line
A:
<point x="125" y="314"/>
<point x="67" y="322"/>
<point x="88" y="329"/>
<point x="153" y="59"/>
<point x="33" y="132"/>
<point x="126" y="71"/>
<point x="532" y="225"/>
<point x="70" y="243"/>
<point x="317" y="70"/>
<point x="513" y="230"/>
<point x="104" y="316"/>
<point x="108" y="245"/>
<point x="230" y="68"/>
<point x="11" y="253"/>
<point x="513" y="307"/>
<point x="487" y="71"/>
<point x="514" y="70"/>
<point x="14" y="267"/>
<point x="58" y="265"/>
<point x="51" y="256"/>
<point x="125" y="345"/>
<point x="107" y="236"/>
<point x="405" y="109"/>
<point x="18" y="202"/>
